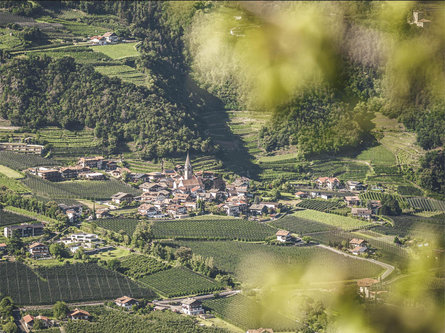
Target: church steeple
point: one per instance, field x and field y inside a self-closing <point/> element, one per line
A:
<point x="188" y="171"/>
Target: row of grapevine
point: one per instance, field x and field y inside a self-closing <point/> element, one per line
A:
<point x="426" y="204"/>
<point x="320" y="205"/>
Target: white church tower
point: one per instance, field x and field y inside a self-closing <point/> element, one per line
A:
<point x="188" y="171"/>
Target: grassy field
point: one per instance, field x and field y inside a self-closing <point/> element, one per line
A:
<point x="10" y="173"/>
<point x="118" y="51"/>
<point x="250" y="262"/>
<point x="209" y="228"/>
<point x="70" y="283"/>
<point x="377" y="155"/>
<point x="180" y="281"/>
<point x="343" y="222"/>
<point x="13" y="184"/>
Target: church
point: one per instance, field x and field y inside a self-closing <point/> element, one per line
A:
<point x="188" y="180"/>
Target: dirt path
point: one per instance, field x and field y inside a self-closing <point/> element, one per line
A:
<point x="388" y="268"/>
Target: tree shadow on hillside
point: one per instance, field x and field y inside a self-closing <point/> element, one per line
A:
<point x="214" y="120"/>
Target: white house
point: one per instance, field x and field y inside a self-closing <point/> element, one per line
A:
<point x="126" y="302"/>
<point x="283" y="236"/>
<point x="110" y="37"/>
<point x="192" y="307"/>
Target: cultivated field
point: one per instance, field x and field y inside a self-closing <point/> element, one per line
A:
<point x="128" y="225"/>
<point x="320" y="205"/>
<point x="343" y="222"/>
<point x="137" y="266"/>
<point x="23" y="161"/>
<point x="180" y="281"/>
<point x="209" y="228"/>
<point x="300" y="225"/>
<point x="8" y="218"/>
<point x="118" y="51"/>
<point x="79" y="282"/>
<point x="10" y="173"/>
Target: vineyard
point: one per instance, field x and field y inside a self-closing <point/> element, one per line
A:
<point x="320" y="205"/>
<point x="299" y="225"/>
<point x="343" y="222"/>
<point x="245" y="313"/>
<point x="79" y="282"/>
<point x="426" y="204"/>
<point x="409" y="190"/>
<point x="137" y="266"/>
<point x="249" y="261"/>
<point x="370" y="195"/>
<point x="8" y="218"/>
<point x="128" y="225"/>
<point x="13" y="184"/>
<point x="180" y="281"/>
<point x="23" y="161"/>
<point x="208" y="228"/>
<point x="85" y="189"/>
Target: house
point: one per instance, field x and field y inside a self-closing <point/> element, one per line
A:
<point x="150" y="187"/>
<point x="364" y="286"/>
<point x="375" y="206"/>
<point x="25" y="148"/>
<point x="78" y="314"/>
<point x="271" y="205"/>
<point x="91" y="162"/>
<point x="301" y="195"/>
<point x="192" y="307"/>
<point x="73" y="212"/>
<point x="102" y="213"/>
<point x="359" y="250"/>
<point x="352" y="201"/>
<point x="138" y="177"/>
<point x="121" y="197"/>
<point x="231" y="209"/>
<point x="257" y="209"/>
<point x="46" y="322"/>
<point x="24" y="230"/>
<point x="283" y="236"/>
<point x="364" y="213"/>
<point x="260" y="330"/>
<point x="326" y="196"/>
<point x="49" y="174"/>
<point x="357" y="242"/>
<point x="315" y="194"/>
<point x="148" y="210"/>
<point x="330" y="183"/>
<point x="419" y="20"/>
<point x="98" y="40"/>
<point x="2" y="247"/>
<point x="28" y="321"/>
<point x="110" y="37"/>
<point x="39" y="250"/>
<point x="72" y="172"/>
<point x="126" y="302"/>
<point x="353" y="185"/>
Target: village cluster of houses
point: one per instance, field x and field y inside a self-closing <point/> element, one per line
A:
<point x="334" y="184"/>
<point x="176" y="193"/>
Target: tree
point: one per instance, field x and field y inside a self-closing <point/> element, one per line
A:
<point x="307" y="239"/>
<point x="38" y="324"/>
<point x="10" y="327"/>
<point x="114" y="264"/>
<point x="60" y="310"/>
<point x="14" y="243"/>
<point x="58" y="250"/>
<point x="390" y="206"/>
<point x="6" y="307"/>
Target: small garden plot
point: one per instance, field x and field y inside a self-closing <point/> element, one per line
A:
<point x="320" y="205"/>
<point x="246" y="313"/>
<point x="343" y="222"/>
<point x="180" y="281"/>
<point x="299" y="225"/>
<point x="209" y="228"/>
<point x="8" y="218"/>
<point x="137" y="266"/>
<point x="69" y="283"/>
<point x="127" y="225"/>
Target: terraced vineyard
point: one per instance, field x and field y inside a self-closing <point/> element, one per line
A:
<point x="300" y="225"/>
<point x="208" y="228"/>
<point x="128" y="225"/>
<point x="320" y="205"/>
<point x="245" y="313"/>
<point x="8" y="218"/>
<point x="70" y="283"/>
<point x="426" y="204"/>
<point x="249" y="261"/>
<point x="98" y="190"/>
<point x="405" y="225"/>
<point x="372" y="195"/>
<point x="23" y="161"/>
<point x="13" y="184"/>
<point x="180" y="281"/>
<point x="343" y="222"/>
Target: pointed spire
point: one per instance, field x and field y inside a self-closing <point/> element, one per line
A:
<point x="188" y="171"/>
<point x="187" y="160"/>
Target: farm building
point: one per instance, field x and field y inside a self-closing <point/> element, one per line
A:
<point x="353" y="185"/>
<point x="110" y="37"/>
<point x="192" y="307"/>
<point x="359" y="250"/>
<point x="301" y="195"/>
<point x="126" y="302"/>
<point x="363" y="213"/>
<point x="352" y="200"/>
<point x="330" y="183"/>
<point x="2" y="247"/>
<point x="283" y="236"/>
<point x="364" y="287"/>
<point x="357" y="242"/>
